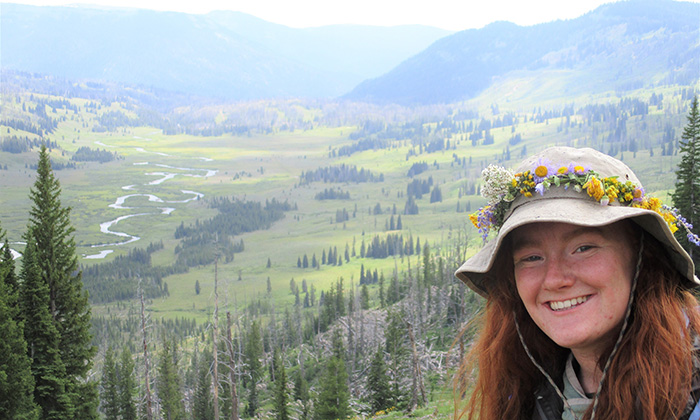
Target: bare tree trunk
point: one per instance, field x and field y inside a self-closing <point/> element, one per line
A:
<point x="416" y="375"/>
<point x="215" y="376"/>
<point x="149" y="397"/>
<point x="232" y="369"/>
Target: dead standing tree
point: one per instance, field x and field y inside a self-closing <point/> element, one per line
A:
<point x="149" y="397"/>
<point x="232" y="369"/>
<point x="215" y="376"/>
<point x="417" y="385"/>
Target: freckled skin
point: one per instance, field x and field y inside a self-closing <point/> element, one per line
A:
<point x="556" y="262"/>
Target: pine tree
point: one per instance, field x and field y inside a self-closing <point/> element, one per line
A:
<point x="364" y="297"/>
<point x="333" y="400"/>
<point x="301" y="393"/>
<point x="203" y="407"/>
<point x="378" y="383"/>
<point x="108" y="392"/>
<point x="281" y="397"/>
<point x="42" y="339"/>
<point x="7" y="272"/>
<point x="253" y="353"/>
<point x="16" y="380"/>
<point x="686" y="198"/>
<point x="397" y="348"/>
<point x="168" y="381"/>
<point x="126" y="386"/>
<point x="56" y="266"/>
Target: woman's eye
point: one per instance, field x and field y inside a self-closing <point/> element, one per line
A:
<point x="530" y="258"/>
<point x="584" y="248"/>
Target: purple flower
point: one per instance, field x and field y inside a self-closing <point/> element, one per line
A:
<point x="540" y="188"/>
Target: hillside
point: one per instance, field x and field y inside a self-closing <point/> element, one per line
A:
<point x="222" y="54"/>
<point x="302" y="220"/>
<point x="620" y="46"/>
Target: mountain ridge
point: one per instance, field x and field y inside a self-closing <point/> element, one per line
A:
<point x="604" y="44"/>
<point x="229" y="55"/>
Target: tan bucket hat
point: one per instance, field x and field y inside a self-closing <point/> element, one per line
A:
<point x="578" y="186"/>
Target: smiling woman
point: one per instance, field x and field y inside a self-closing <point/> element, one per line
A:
<point x="589" y="312"/>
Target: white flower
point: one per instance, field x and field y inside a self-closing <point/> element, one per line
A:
<point x="497" y="181"/>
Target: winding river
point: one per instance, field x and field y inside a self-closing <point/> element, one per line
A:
<point x="123" y="238"/>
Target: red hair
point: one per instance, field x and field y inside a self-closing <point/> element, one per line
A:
<point x="651" y="372"/>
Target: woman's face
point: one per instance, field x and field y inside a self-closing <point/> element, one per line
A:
<point x="575" y="281"/>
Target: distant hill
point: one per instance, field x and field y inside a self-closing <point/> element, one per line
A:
<point x="618" y="46"/>
<point x="224" y="54"/>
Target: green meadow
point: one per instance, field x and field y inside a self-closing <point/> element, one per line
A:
<point x="158" y="178"/>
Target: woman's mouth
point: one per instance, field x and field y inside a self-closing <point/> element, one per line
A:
<point x="561" y="305"/>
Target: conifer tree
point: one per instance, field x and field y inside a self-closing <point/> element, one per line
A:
<point x="203" y="407"/>
<point x="686" y="198"/>
<point x="108" y="392"/>
<point x="281" y="397"/>
<point x="126" y="386"/>
<point x="333" y="400"/>
<point x="16" y="380"/>
<point x="397" y="349"/>
<point x="7" y="272"/>
<point x="55" y="266"/>
<point x="42" y="339"/>
<point x="253" y="353"/>
<point x="364" y="300"/>
<point x="378" y="383"/>
<point x="168" y="381"/>
<point x="301" y="393"/>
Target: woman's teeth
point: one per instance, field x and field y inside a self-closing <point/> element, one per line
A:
<point x="566" y="304"/>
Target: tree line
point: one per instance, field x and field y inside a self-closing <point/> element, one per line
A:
<point x="338" y="174"/>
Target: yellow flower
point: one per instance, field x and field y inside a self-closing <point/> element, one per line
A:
<point x="594" y="188"/>
<point x="527" y="194"/>
<point x="541" y="171"/>
<point x="579" y="169"/>
<point x="652" y="203"/>
<point x="629" y="196"/>
<point x="638" y="193"/>
<point x="563" y="170"/>
<point x="671" y="220"/>
<point x="474" y="218"/>
<point x="611" y="192"/>
<point x="514" y="182"/>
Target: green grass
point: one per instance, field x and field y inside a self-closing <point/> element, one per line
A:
<point x="265" y="166"/>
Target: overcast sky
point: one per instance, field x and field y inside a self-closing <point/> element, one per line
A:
<point x="448" y="14"/>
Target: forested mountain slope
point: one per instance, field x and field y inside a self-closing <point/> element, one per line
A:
<point x="620" y="46"/>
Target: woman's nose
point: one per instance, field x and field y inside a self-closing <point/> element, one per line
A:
<point x="557" y="274"/>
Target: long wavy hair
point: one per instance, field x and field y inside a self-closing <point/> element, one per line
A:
<point x="651" y="372"/>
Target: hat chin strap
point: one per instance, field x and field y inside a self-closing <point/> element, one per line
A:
<point x="625" y="323"/>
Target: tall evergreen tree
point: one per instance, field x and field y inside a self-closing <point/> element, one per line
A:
<point x="16" y="380"/>
<point x="301" y="393"/>
<point x="378" y="383"/>
<point x="686" y="198"/>
<point x="56" y="266"/>
<point x="168" y="381"/>
<point x="253" y="353"/>
<point x="108" y="392"/>
<point x="397" y="349"/>
<point x="42" y="339"/>
<point x="281" y="397"/>
<point x="333" y="400"/>
<point x="7" y="271"/>
<point x="126" y="386"/>
<point x="203" y="407"/>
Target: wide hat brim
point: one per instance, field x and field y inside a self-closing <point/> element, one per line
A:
<point x="567" y="206"/>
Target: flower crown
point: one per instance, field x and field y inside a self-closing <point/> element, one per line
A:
<point x="501" y="187"/>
